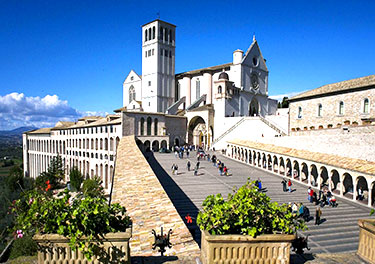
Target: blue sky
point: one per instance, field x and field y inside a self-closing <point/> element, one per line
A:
<point x="64" y="59"/>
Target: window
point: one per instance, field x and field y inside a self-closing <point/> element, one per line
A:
<point x="198" y="88"/>
<point x="152" y="51"/>
<point x="156" y="127"/>
<point x="341" y="108"/>
<point x="132" y="78"/>
<point x="142" y="126"/>
<point x="146" y="53"/>
<point x="320" y="110"/>
<point x="153" y="34"/>
<point x="299" y="112"/>
<point x="149" y="121"/>
<point x="365" y="106"/>
<point x="149" y="53"/>
<point x="166" y="35"/>
<point x="161" y="52"/>
<point x="170" y="54"/>
<point x="219" y="89"/>
<point x="149" y="83"/>
<point x="161" y="33"/>
<point x="149" y="33"/>
<point x="170" y="36"/>
<point x="166" y="53"/>
<point x="146" y="37"/>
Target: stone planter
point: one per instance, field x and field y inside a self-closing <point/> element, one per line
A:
<point x="54" y="248"/>
<point x="366" y="247"/>
<point x="245" y="249"/>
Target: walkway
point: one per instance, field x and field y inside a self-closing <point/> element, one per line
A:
<point x="338" y="232"/>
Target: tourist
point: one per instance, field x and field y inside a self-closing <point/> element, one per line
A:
<point x="318" y="214"/>
<point x="188" y="165"/>
<point x="360" y="194"/>
<point x="283" y="182"/>
<point x="196" y="168"/>
<point x="310" y="194"/>
<point x="290" y="185"/>
<point x="294" y="208"/>
<point x="259" y="184"/>
<point x="187" y="153"/>
<point x="320" y="193"/>
<point x="198" y="163"/>
<point x="176" y="169"/>
<point x="301" y="210"/>
<point x="225" y="170"/>
<point x="173" y="168"/>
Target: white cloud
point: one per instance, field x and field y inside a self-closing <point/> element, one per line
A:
<point x="281" y="96"/>
<point x="17" y="110"/>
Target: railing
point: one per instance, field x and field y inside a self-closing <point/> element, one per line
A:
<point x="229" y="130"/>
<point x="273" y="126"/>
<point x="196" y="102"/>
<point x="172" y="110"/>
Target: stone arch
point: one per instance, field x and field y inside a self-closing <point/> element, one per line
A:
<point x="323" y="179"/>
<point x="296" y="173"/>
<point x="156" y="126"/>
<point x="254" y="107"/>
<point x="282" y="166"/>
<point x="335" y="181"/>
<point x="362" y="183"/>
<point x="288" y="168"/>
<point x="269" y="162"/>
<point x="176" y="141"/>
<point x="275" y="164"/>
<point x="164" y="144"/>
<point x="117" y="142"/>
<point x="106" y="176"/>
<point x="242" y="154"/>
<point x="147" y="145"/>
<point x="347" y="185"/>
<point x="155" y="146"/>
<point x="254" y="157"/>
<point x="198" y="133"/>
<point x="101" y="172"/>
<point x="246" y="156"/>
<point x="264" y="160"/>
<point x="304" y="173"/>
<point x="140" y="145"/>
<point x="259" y="160"/>
<point x="142" y="126"/>
<point x="313" y="175"/>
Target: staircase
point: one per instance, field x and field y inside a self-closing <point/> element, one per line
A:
<point x="274" y="126"/>
<point x="196" y="103"/>
<point x="172" y="110"/>
<point x="229" y="130"/>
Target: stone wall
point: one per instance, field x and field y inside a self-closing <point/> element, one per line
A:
<point x="352" y="111"/>
<point x="138" y="189"/>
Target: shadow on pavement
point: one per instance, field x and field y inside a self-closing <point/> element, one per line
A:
<point x="180" y="200"/>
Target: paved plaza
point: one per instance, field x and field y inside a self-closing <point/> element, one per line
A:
<point x="338" y="232"/>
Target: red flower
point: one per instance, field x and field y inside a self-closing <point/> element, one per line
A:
<point x="188" y="219"/>
<point x="48" y="186"/>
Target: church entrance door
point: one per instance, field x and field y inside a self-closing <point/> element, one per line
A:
<point x="254" y="108"/>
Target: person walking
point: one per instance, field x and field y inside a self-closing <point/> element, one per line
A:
<point x="318" y="214"/>
<point x="176" y="169"/>
<point x="290" y="185"/>
<point x="283" y="182"/>
<point x="198" y="163"/>
<point x="173" y="168"/>
<point x="188" y="165"/>
<point x="196" y="168"/>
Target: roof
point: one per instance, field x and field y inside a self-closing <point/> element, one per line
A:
<point x="338" y="87"/>
<point x="159" y="21"/>
<point x="212" y="68"/>
<point x="45" y="130"/>
<point x="359" y="165"/>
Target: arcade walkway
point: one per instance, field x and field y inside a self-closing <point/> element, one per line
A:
<point x="338" y="232"/>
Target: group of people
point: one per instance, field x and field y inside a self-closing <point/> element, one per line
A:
<point x="300" y="210"/>
<point x="223" y="170"/>
<point x="196" y="167"/>
<point x="324" y="197"/>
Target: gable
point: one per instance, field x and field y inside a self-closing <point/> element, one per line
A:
<point x="132" y="77"/>
<point x="254" y="55"/>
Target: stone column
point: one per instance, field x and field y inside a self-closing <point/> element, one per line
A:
<point x="369" y="196"/>
<point x="354" y="189"/>
<point x="208" y="77"/>
<point x="187" y="81"/>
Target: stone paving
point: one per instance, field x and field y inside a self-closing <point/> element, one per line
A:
<point x="338" y="232"/>
<point x="138" y="189"/>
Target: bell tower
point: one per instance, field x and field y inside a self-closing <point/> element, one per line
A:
<point x="158" y="65"/>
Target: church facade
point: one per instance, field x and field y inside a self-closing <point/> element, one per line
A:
<point x="205" y="96"/>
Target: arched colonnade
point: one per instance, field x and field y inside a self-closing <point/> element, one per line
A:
<point x="342" y="182"/>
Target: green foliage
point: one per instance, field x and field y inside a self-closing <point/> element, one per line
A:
<point x="15" y="178"/>
<point x="372" y="212"/>
<point x="93" y="187"/>
<point x="54" y="174"/>
<point x="76" y="178"/>
<point x="8" y="163"/>
<point x="83" y="219"/>
<point x="24" y="246"/>
<point x="247" y="212"/>
<point x="284" y="103"/>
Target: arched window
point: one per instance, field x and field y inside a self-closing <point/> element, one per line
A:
<point x="155" y="126"/>
<point x="153" y="33"/>
<point x="146" y="35"/>
<point x="161" y="33"/>
<point x="365" y="106"/>
<point x="149" y="34"/>
<point x="149" y="121"/>
<point x="320" y="108"/>
<point x="299" y="112"/>
<point x="341" y="108"/>
<point x="131" y="93"/>
<point x="219" y="89"/>
<point x="198" y="88"/>
<point x="170" y="36"/>
<point x="166" y="34"/>
<point x="142" y="126"/>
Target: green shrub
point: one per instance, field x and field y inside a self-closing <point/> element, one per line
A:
<point x="24" y="246"/>
<point x="76" y="179"/>
<point x="247" y="212"/>
<point x="93" y="187"/>
<point x="53" y="175"/>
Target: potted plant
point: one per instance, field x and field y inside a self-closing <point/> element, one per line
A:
<point x="246" y="226"/>
<point x="366" y="249"/>
<point x="78" y="226"/>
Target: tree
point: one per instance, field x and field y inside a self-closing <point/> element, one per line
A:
<point x="53" y="176"/>
<point x="76" y="178"/>
<point x="284" y="103"/>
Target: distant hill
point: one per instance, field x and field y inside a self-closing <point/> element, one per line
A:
<point x="17" y="131"/>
